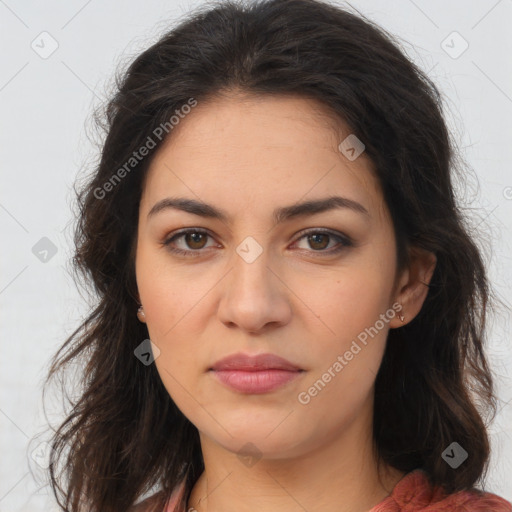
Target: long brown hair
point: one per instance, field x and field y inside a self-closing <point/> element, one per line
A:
<point x="124" y="435"/>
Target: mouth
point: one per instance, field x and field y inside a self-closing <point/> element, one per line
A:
<point x="260" y="373"/>
<point x="256" y="381"/>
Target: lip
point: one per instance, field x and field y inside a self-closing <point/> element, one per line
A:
<point x="258" y="362"/>
<point x="261" y="373"/>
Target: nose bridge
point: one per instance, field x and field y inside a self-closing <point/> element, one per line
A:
<point x="251" y="263"/>
<point x="252" y="296"/>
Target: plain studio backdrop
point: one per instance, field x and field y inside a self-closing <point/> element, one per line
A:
<point x="58" y="61"/>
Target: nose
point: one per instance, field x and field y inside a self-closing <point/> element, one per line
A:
<point x="255" y="297"/>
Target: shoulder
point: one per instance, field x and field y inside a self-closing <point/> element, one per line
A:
<point x="415" y="494"/>
<point x="474" y="501"/>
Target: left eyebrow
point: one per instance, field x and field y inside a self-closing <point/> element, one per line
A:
<point x="279" y="215"/>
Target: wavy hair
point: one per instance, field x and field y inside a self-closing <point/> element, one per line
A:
<point x="124" y="435"/>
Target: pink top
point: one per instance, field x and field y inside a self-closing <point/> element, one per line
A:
<point x="413" y="493"/>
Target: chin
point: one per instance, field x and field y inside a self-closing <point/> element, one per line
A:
<point x="257" y="441"/>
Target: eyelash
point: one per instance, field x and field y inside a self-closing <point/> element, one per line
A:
<point x="343" y="239"/>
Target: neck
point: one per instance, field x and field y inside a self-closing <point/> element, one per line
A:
<point x="340" y="475"/>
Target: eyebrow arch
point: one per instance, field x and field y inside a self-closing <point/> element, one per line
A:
<point x="279" y="215"/>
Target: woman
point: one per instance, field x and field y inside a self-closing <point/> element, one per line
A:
<point x="290" y="310"/>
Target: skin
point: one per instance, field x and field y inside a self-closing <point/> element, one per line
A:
<point x="248" y="155"/>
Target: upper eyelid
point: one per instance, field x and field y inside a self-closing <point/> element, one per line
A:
<point x="185" y="231"/>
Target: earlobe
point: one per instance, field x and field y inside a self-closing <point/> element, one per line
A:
<point x="414" y="288"/>
<point x="141" y="315"/>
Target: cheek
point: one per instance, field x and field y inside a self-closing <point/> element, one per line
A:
<point x="346" y="364"/>
<point x="335" y="399"/>
<point x="167" y="293"/>
<point x="348" y="309"/>
<point x="347" y="301"/>
<point x="181" y="362"/>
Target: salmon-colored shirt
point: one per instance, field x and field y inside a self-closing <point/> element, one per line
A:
<point x="413" y="493"/>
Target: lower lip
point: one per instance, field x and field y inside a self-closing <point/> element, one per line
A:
<point x="261" y="381"/>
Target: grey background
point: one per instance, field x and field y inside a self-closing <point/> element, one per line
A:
<point x="46" y="106"/>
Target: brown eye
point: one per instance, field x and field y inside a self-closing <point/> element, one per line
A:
<point x="319" y="240"/>
<point x="189" y="242"/>
<point x="195" y="240"/>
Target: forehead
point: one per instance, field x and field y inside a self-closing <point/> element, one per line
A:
<point x="250" y="121"/>
<point x="270" y="148"/>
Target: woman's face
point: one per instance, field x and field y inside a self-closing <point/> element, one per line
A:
<point x="255" y="283"/>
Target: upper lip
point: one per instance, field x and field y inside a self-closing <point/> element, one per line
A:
<point x="241" y="361"/>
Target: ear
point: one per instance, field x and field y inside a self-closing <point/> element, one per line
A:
<point x="413" y="284"/>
